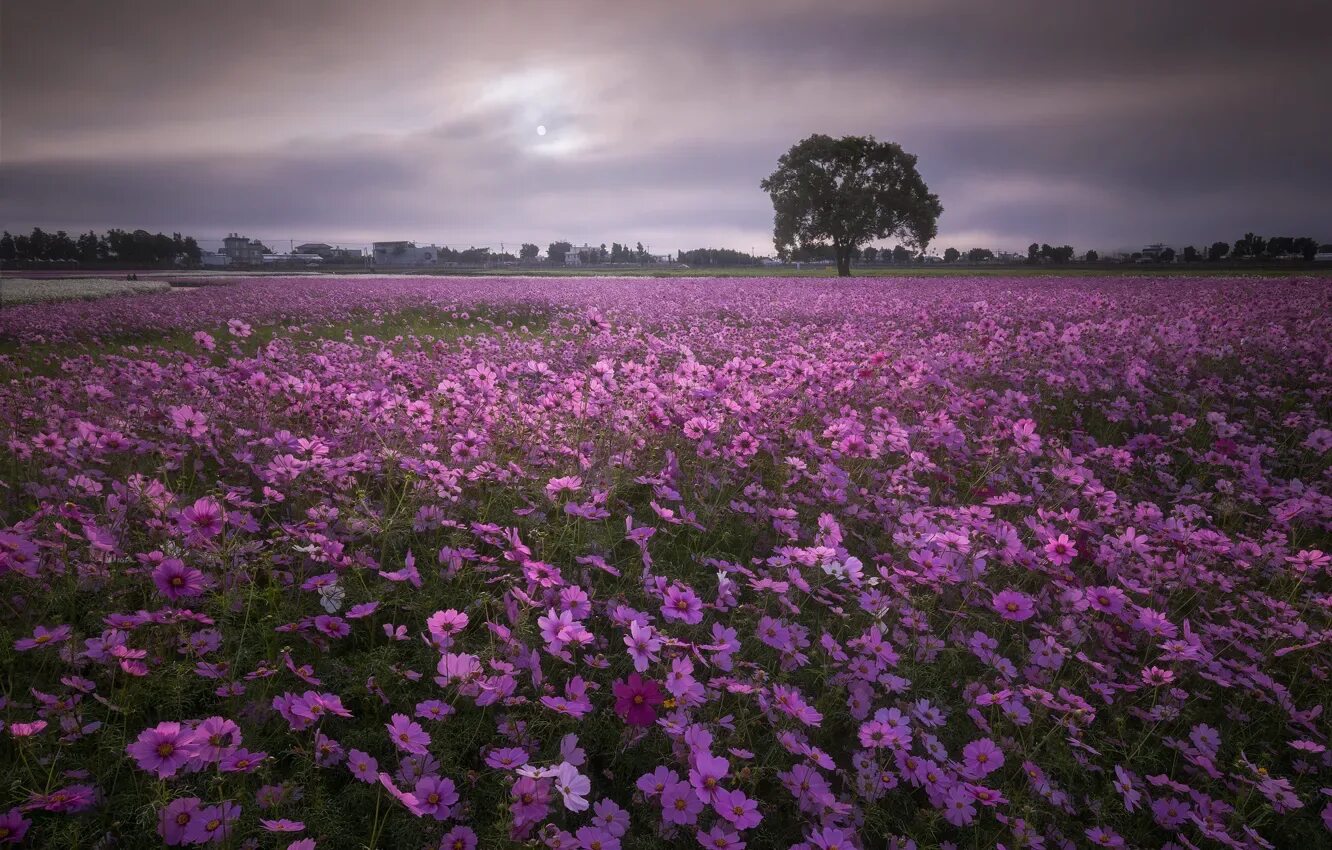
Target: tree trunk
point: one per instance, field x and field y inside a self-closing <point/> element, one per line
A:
<point x="843" y="260"/>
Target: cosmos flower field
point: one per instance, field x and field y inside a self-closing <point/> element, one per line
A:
<point x="595" y="563"/>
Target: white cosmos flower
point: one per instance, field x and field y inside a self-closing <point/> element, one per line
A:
<point x="573" y="786"/>
<point x="331" y="597"/>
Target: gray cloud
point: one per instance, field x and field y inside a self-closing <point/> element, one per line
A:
<point x="1097" y="124"/>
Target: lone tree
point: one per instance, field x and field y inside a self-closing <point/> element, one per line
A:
<point x="849" y="191"/>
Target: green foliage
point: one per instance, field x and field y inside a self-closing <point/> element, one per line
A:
<point x="847" y="192"/>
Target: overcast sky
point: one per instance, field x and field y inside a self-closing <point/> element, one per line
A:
<point x="1105" y="124"/>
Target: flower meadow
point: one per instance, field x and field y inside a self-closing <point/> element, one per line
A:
<point x="457" y="563"/>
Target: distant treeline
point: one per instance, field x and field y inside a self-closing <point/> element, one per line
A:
<point x="120" y="247"/>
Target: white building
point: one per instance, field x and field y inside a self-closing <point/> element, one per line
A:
<point x="1153" y="253"/>
<point x="580" y="254"/>
<point x="404" y="254"/>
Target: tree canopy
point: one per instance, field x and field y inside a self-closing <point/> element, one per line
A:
<point x="847" y="192"/>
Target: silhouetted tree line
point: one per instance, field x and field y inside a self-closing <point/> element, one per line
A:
<point x="718" y="257"/>
<point x="120" y="247"/>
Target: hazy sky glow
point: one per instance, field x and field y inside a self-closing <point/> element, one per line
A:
<point x="1099" y="124"/>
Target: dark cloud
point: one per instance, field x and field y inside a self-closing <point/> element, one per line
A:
<point x="1096" y="124"/>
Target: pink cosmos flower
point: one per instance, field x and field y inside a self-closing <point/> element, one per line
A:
<point x="407" y="735"/>
<point x="1106" y="599"/>
<point x="443" y="625"/>
<point x="507" y="758"/>
<point x="241" y="760"/>
<point x="163" y="749"/>
<point x="1102" y="837"/>
<point x="1025" y="436"/>
<point x="654" y="783"/>
<point x="433" y="709"/>
<point x="281" y="825"/>
<point x="190" y="421"/>
<point x="213" y="824"/>
<point x="435" y="797"/>
<point x="790" y="701"/>
<point x="175" y="819"/>
<point x="959" y="806"/>
<point x="458" y="838"/>
<point x="312" y="706"/>
<point x="363" y="766"/>
<point x="1157" y="676"/>
<point x="735" y="807"/>
<point x="531" y="800"/>
<point x="456" y="667"/>
<point x="643" y="645"/>
<point x="42" y="636"/>
<point x="982" y="757"/>
<point x="611" y="818"/>
<point x="680" y="804"/>
<point x="556" y="486"/>
<point x="1061" y="550"/>
<point x="682" y="604"/>
<point x="706" y="775"/>
<point x="203" y="519"/>
<point x="26" y="730"/>
<point x="175" y="581"/>
<point x="636" y="699"/>
<point x="1014" y="605"/>
<point x="720" y="838"/>
<point x="596" y="838"/>
<point x="560" y="628"/>
<point x="365" y="609"/>
<point x="215" y="737"/>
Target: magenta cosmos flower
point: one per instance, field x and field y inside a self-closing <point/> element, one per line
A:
<point x="163" y="749"/>
<point x="174" y="821"/>
<point x="1060" y="550"/>
<point x="435" y="797"/>
<point x="681" y="603"/>
<point x="407" y="735"/>
<point x="174" y="580"/>
<point x="1014" y="605"/>
<point x="202" y="519"/>
<point x="636" y="699"/>
<point x="42" y="636"/>
<point x="13" y="826"/>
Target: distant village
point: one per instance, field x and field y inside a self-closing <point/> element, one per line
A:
<point x="240" y="250"/>
<point x="141" y="249"/>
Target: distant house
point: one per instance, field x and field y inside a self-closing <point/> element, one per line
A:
<point x="1153" y="253"/>
<point x="330" y="253"/>
<point x="580" y="255"/>
<point x="214" y="259"/>
<point x="242" y="251"/>
<point x="404" y="254"/>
